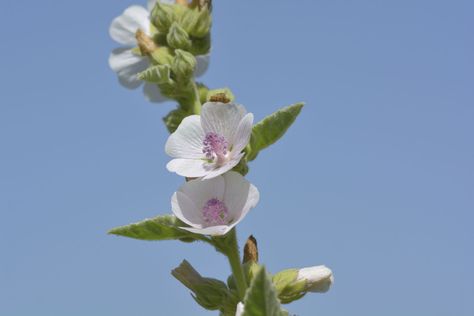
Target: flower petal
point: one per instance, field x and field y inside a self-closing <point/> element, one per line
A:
<point x="240" y="196"/>
<point x="126" y="64"/>
<point x="318" y="278"/>
<point x="240" y="309"/>
<point x="212" y="230"/>
<point x="221" y="118"/>
<point x="152" y="93"/>
<point x="191" y="168"/>
<point x="123" y="28"/>
<point x="214" y="171"/>
<point x="242" y="135"/>
<point x="202" y="64"/>
<point x="184" y="209"/>
<point x="186" y="141"/>
<point x="199" y="192"/>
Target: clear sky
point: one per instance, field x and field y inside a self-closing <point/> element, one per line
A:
<point x="375" y="179"/>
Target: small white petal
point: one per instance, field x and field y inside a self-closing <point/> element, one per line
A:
<point x="222" y="118"/>
<point x="191" y="168"/>
<point x="215" y="171"/>
<point x="186" y="141"/>
<point x="236" y="193"/>
<point x="123" y="28"/>
<point x="242" y="135"/>
<point x="240" y="309"/>
<point x="152" y="93"/>
<point x="240" y="196"/>
<point x="185" y="209"/>
<point x="126" y="64"/>
<point x="212" y="230"/>
<point x="202" y="191"/>
<point x="202" y="64"/>
<point x="318" y="278"/>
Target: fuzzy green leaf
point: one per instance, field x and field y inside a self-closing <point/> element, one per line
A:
<point x="261" y="297"/>
<point x="165" y="227"/>
<point x="272" y="128"/>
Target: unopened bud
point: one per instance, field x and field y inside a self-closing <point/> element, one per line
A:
<point x="178" y="38"/>
<point x="183" y="65"/>
<point x="197" y="22"/>
<point x="318" y="278"/>
<point x="162" y="16"/>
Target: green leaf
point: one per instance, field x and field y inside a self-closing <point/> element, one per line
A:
<point x="165" y="227"/>
<point x="261" y="297"/>
<point x="271" y="128"/>
<point x="173" y="119"/>
<point x="156" y="74"/>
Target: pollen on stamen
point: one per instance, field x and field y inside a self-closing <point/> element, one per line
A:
<point x="215" y="146"/>
<point x="215" y="212"/>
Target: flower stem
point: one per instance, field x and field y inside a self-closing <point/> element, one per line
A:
<point x="234" y="260"/>
<point x="196" y="107"/>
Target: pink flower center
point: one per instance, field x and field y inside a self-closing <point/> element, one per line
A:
<point x="215" y="147"/>
<point x="215" y="212"/>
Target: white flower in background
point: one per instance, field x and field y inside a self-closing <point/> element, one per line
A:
<point x="240" y="309"/>
<point x="125" y="62"/>
<point x="318" y="278"/>
<point x="210" y="144"/>
<point x="215" y="206"/>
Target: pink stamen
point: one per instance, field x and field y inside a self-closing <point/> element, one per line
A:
<point x="215" y="146"/>
<point x="215" y="212"/>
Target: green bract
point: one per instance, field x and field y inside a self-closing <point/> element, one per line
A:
<point x="156" y="74"/>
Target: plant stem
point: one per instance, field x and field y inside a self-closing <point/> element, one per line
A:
<point x="234" y="260"/>
<point x="196" y="107"/>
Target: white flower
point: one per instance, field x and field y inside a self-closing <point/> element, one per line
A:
<point x="125" y="62"/>
<point x="240" y="309"/>
<point x="318" y="278"/>
<point x="211" y="144"/>
<point x="215" y="206"/>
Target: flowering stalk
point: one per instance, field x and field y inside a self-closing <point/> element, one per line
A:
<point x="233" y="255"/>
<point x="211" y="143"/>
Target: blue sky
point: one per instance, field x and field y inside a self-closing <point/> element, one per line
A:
<point x="374" y="180"/>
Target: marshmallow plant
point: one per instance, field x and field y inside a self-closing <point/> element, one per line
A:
<point x="211" y="143"/>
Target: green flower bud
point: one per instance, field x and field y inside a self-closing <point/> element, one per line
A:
<point x="207" y="292"/>
<point x="183" y="65"/>
<point x="223" y="95"/>
<point x="178" y="38"/>
<point x="162" y="16"/>
<point x="293" y="284"/>
<point x="196" y="22"/>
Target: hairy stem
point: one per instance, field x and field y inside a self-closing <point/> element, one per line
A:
<point x="234" y="260"/>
